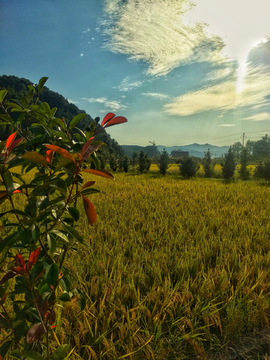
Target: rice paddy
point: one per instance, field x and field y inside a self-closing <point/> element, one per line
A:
<point x="173" y="269"/>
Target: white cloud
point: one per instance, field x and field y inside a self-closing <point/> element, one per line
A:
<point x="259" y="117"/>
<point x="72" y="101"/>
<point x="227" y="125"/>
<point x="155" y="31"/>
<point x="127" y="84"/>
<point x="223" y="96"/>
<point x="81" y="54"/>
<point x="156" y="95"/>
<point x="109" y="104"/>
<point x="86" y="31"/>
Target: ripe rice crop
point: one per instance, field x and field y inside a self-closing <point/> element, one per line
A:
<point x="173" y="269"/>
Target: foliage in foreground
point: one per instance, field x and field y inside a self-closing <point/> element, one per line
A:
<point x="38" y="229"/>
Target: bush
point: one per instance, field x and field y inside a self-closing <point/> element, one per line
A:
<point x="262" y="170"/>
<point x="144" y="162"/>
<point x="39" y="227"/>
<point x="163" y="162"/>
<point x="188" y="167"/>
<point x="228" y="165"/>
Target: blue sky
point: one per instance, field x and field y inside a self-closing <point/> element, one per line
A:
<point x="180" y="72"/>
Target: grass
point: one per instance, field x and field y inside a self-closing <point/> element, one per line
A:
<point x="175" y="269"/>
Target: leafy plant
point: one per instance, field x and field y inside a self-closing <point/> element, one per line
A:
<point x="188" y="167"/>
<point x="163" y="162"/>
<point x="39" y="217"/>
<point x="208" y="164"/>
<point x="228" y="165"/>
<point x="144" y="162"/>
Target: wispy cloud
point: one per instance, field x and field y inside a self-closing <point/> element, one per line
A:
<point x="81" y="54"/>
<point x="156" y="95"/>
<point x="86" y="31"/>
<point x="259" y="117"/>
<point x="227" y="125"/>
<point x="223" y="95"/>
<point x="127" y="84"/>
<point x="155" y="31"/>
<point x="73" y="102"/>
<point x="109" y="104"/>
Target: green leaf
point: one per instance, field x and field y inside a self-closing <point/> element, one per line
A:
<point x="64" y="297"/>
<point x="89" y="191"/>
<point x="74" y="213"/>
<point x="76" y="119"/>
<point x="7" y="177"/>
<point x="41" y="83"/>
<point x="60" y="352"/>
<point x="60" y="234"/>
<point x="59" y="122"/>
<point x="51" y="243"/>
<point x="35" y="233"/>
<point x="35" y="157"/>
<point x="33" y="355"/>
<point x="5" y="347"/>
<point x="16" y="354"/>
<point x="52" y="275"/>
<point x="82" y="302"/>
<point x="74" y="233"/>
<point x="3" y="93"/>
<point x="44" y="288"/>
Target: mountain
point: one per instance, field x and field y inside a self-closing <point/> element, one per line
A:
<point x="18" y="88"/>
<point x="196" y="150"/>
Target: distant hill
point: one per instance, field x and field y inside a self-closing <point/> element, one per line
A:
<point x="18" y="88"/>
<point x="196" y="150"/>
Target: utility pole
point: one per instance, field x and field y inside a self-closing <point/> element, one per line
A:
<point x="243" y="143"/>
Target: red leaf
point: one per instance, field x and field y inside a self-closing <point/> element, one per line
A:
<point x="18" y="270"/>
<point x="10" y="140"/>
<point x="14" y="144"/>
<point x="103" y="173"/>
<point x="86" y="146"/>
<point x="107" y="118"/>
<point x="35" y="333"/>
<point x="49" y="157"/>
<point x="88" y="184"/>
<point x="20" y="260"/>
<point x="16" y="191"/>
<point x="8" y="276"/>
<point x="89" y="210"/>
<point x="115" y="121"/>
<point x="32" y="259"/>
<point x="3" y="193"/>
<point x="61" y="151"/>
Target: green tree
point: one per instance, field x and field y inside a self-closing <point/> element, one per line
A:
<point x="39" y="227"/>
<point x="262" y="170"/>
<point x="244" y="158"/>
<point x="208" y="164"/>
<point x="163" y="162"/>
<point x="188" y="167"/>
<point x="125" y="163"/>
<point x="237" y="149"/>
<point x="228" y="165"/>
<point x="134" y="159"/>
<point x="113" y="163"/>
<point x="144" y="162"/>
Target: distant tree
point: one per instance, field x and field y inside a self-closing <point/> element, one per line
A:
<point x="163" y="162"/>
<point x="113" y="163"/>
<point x="261" y="148"/>
<point x="125" y="163"/>
<point x="228" y="165"/>
<point x="262" y="170"/>
<point x="188" y="167"/>
<point x="208" y="164"/>
<point x="237" y="149"/>
<point x="243" y="172"/>
<point x="134" y="159"/>
<point x="144" y="162"/>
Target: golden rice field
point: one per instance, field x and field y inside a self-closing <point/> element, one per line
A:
<point x="174" y="269"/>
